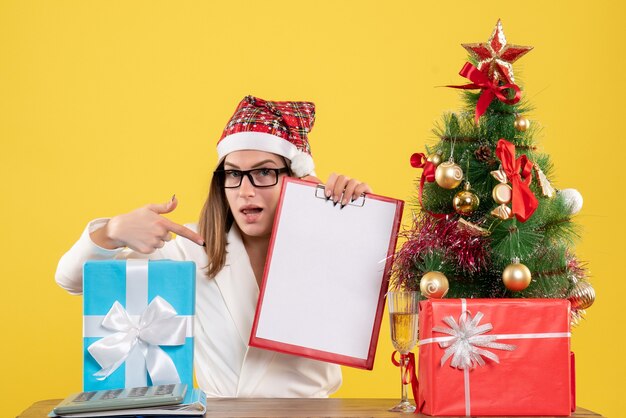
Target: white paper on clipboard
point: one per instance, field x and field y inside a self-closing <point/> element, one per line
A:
<point x="326" y="276"/>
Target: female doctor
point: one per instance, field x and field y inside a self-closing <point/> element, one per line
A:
<point x="263" y="142"/>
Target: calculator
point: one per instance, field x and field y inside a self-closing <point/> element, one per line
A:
<point x="127" y="398"/>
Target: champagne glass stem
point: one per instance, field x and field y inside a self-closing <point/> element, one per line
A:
<point x="404" y="363"/>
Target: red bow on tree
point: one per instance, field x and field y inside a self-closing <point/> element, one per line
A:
<point x="490" y="90"/>
<point x="519" y="173"/>
<point x="418" y="160"/>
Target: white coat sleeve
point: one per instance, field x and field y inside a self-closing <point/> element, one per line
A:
<point x="69" y="274"/>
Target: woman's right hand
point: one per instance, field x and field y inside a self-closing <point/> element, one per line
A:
<point x="143" y="230"/>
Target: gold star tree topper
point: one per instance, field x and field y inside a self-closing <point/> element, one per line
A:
<point x="495" y="57"/>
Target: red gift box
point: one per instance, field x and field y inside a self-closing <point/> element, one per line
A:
<point x="500" y="357"/>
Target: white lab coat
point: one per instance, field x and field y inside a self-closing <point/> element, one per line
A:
<point x="224" y="364"/>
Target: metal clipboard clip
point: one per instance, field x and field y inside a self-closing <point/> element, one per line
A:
<point x="358" y="202"/>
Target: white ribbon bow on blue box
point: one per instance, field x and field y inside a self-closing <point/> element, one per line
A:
<point x="138" y="323"/>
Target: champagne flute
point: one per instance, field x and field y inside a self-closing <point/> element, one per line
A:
<point x="403" y="308"/>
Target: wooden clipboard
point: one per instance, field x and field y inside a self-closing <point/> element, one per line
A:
<point x="326" y="275"/>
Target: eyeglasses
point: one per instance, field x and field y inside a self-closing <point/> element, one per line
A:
<point x="259" y="177"/>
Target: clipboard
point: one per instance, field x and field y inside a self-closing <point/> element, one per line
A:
<point x="326" y="275"/>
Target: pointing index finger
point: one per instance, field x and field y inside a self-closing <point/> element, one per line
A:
<point x="184" y="232"/>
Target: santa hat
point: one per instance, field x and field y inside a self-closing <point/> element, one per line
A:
<point x="277" y="127"/>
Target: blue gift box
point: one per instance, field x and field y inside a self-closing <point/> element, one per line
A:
<point x="138" y="318"/>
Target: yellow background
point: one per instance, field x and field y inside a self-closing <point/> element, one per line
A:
<point x="108" y="105"/>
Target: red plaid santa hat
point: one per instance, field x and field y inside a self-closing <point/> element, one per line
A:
<point x="277" y="127"/>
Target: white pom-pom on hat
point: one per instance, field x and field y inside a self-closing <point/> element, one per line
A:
<point x="302" y="164"/>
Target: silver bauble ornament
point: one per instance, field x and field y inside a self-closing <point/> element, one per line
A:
<point x="573" y="200"/>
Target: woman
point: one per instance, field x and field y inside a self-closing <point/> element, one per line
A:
<point x="263" y="142"/>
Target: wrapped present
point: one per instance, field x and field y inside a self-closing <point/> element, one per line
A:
<point x="494" y="357"/>
<point x="137" y="323"/>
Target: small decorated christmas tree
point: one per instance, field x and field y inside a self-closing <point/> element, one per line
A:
<point x="491" y="223"/>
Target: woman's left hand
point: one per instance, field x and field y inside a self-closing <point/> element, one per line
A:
<point x="343" y="189"/>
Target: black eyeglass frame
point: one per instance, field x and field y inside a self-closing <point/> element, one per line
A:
<point x="247" y="173"/>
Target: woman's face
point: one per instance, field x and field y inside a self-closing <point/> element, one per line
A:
<point x="253" y="208"/>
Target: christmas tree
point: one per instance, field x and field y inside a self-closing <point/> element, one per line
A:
<point x="490" y="224"/>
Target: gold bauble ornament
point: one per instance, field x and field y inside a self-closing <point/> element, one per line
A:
<point x="434" y="285"/>
<point x="582" y="296"/>
<point x="435" y="159"/>
<point x="465" y="202"/>
<point x="516" y="276"/>
<point x="448" y="175"/>
<point x="521" y="123"/>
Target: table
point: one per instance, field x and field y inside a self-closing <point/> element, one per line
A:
<point x="283" y="408"/>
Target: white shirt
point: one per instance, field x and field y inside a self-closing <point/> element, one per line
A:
<point x="224" y="364"/>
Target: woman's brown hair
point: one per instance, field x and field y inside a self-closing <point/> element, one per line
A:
<point x="215" y="221"/>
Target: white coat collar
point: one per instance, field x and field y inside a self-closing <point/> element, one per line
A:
<point x="238" y="285"/>
<point x="240" y="291"/>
